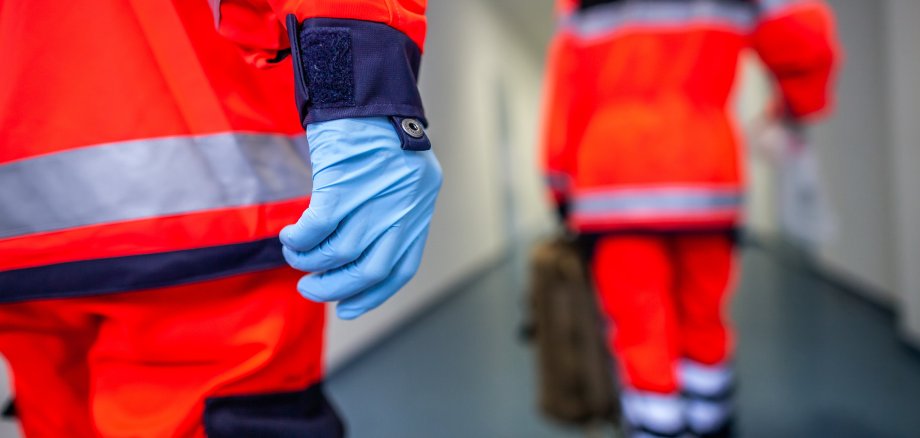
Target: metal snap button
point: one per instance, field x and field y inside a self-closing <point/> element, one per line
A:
<point x="413" y="127"/>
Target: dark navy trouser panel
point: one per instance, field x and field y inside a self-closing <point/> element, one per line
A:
<point x="138" y="272"/>
<point x="297" y="414"/>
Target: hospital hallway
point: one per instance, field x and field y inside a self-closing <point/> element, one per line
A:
<point x="815" y="360"/>
<point x="147" y="190"/>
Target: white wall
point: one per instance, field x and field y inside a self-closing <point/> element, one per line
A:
<point x="903" y="55"/>
<point x="471" y="56"/>
<point x="852" y="149"/>
<point x="853" y="146"/>
<point x="869" y="152"/>
<point x="752" y="93"/>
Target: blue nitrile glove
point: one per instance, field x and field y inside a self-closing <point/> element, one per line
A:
<point x="362" y="236"/>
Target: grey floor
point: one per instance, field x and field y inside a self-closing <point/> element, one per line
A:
<point x="814" y="361"/>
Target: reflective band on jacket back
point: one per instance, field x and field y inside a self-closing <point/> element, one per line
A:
<point x="603" y="20"/>
<point x="626" y="202"/>
<point x="774" y="6"/>
<point x="150" y="178"/>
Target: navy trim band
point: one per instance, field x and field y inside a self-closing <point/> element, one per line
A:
<point x="352" y="68"/>
<point x="131" y="273"/>
<point x="304" y="413"/>
<point x="725" y="395"/>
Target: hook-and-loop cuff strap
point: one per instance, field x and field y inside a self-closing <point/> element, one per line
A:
<point x="352" y="68"/>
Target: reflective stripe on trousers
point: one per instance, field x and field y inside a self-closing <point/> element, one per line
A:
<point x="653" y="415"/>
<point x="708" y="394"/>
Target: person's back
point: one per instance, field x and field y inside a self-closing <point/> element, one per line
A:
<point x="648" y="111"/>
<point x="641" y="149"/>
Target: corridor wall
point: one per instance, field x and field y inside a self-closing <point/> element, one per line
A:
<point x="480" y="81"/>
<point x="869" y="151"/>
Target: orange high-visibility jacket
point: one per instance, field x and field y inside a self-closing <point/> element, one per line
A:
<point x="139" y="149"/>
<point x="637" y="133"/>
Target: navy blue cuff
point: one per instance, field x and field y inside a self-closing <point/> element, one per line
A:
<point x="352" y="68"/>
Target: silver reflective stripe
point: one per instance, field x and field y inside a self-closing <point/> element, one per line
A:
<point x="772" y="6"/>
<point x="661" y="413"/>
<point x="769" y="6"/>
<point x="707" y="390"/>
<point x="706" y="417"/>
<point x="705" y="380"/>
<point x="601" y="21"/>
<point x="215" y="11"/>
<point x="656" y="200"/>
<point x="150" y="178"/>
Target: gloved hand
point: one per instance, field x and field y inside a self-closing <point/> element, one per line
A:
<point x="362" y="236"/>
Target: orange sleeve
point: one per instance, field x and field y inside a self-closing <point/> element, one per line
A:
<point x="407" y="16"/>
<point x="257" y="26"/>
<point x="556" y="148"/>
<point x="351" y="58"/>
<point x="797" y="41"/>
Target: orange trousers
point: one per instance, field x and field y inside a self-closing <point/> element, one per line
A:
<point x="664" y="295"/>
<point x="169" y="362"/>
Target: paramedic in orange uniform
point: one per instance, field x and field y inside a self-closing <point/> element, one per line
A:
<point x="640" y="148"/>
<point x="149" y="158"/>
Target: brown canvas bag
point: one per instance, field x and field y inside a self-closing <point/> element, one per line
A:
<point x="576" y="382"/>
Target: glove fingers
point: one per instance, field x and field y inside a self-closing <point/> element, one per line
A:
<point x="314" y="226"/>
<point x="343" y="246"/>
<point x="371" y="268"/>
<point x="406" y="267"/>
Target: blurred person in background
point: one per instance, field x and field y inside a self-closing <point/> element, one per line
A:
<point x="640" y="148"/>
<point x="146" y="171"/>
